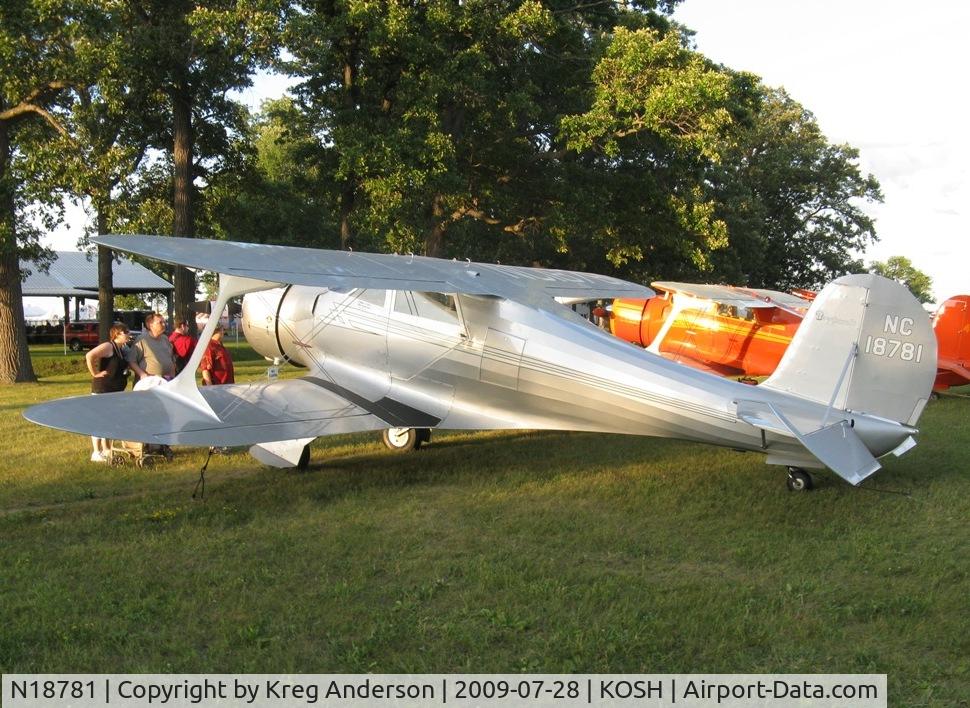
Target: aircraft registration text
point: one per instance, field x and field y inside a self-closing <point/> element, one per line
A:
<point x="890" y="348"/>
<point x="893" y="348"/>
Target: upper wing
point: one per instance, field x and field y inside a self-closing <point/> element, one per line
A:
<point x="347" y="269"/>
<point x="786" y="301"/>
<point x="245" y="414"/>
<point x="717" y="293"/>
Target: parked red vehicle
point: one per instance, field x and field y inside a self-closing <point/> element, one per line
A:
<point x="82" y="334"/>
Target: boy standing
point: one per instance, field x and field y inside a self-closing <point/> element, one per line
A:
<point x="182" y="342"/>
<point x="216" y="366"/>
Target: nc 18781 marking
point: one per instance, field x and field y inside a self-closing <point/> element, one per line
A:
<point x="890" y="348"/>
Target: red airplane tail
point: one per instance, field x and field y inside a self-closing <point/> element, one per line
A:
<point x="951" y="324"/>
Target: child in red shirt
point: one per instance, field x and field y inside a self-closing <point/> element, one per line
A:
<point x="216" y="366"/>
<point x="182" y="342"/>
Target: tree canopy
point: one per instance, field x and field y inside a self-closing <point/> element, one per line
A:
<point x="579" y="135"/>
<point x="902" y="270"/>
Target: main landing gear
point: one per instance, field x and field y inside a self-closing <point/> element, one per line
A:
<point x="405" y="439"/>
<point x="799" y="480"/>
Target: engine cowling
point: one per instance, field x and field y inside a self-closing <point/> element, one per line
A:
<point x="260" y="314"/>
<point x="276" y="322"/>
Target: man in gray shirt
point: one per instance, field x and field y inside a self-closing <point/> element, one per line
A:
<point x="152" y="354"/>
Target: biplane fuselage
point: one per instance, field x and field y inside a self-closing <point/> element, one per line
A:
<point x="729" y="338"/>
<point x="468" y="362"/>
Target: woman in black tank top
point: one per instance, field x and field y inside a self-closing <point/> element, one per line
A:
<point x="109" y="373"/>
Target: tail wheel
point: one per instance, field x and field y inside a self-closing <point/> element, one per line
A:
<point x="402" y="439"/>
<point x="799" y="480"/>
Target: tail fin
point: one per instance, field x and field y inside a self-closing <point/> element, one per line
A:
<point x="952" y="327"/>
<point x="865" y="345"/>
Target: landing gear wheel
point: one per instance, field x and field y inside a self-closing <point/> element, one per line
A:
<point x="402" y="439"/>
<point x="304" y="458"/>
<point x="799" y="480"/>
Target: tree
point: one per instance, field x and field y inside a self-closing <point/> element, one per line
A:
<point x="902" y="270"/>
<point x="550" y="133"/>
<point x="790" y="199"/>
<point x="276" y="191"/>
<point x="46" y="48"/>
<point x="101" y="147"/>
<point x="658" y="119"/>
<point x="193" y="53"/>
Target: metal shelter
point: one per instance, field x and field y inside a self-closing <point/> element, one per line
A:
<point x="75" y="274"/>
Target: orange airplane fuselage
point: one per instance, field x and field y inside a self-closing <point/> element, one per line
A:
<point x="733" y="340"/>
<point x="722" y="337"/>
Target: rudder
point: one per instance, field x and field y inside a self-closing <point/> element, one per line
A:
<point x="865" y="345"/>
<point x="952" y="327"/>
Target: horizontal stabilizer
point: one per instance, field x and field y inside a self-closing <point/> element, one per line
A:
<point x="956" y="368"/>
<point x="841" y="450"/>
<point x="837" y="446"/>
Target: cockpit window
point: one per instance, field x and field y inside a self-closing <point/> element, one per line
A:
<point x="403" y="303"/>
<point x="372" y="297"/>
<point x="431" y="307"/>
<point x="436" y="306"/>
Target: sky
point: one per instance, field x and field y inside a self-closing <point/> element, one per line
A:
<point x="886" y="77"/>
<point x="882" y="76"/>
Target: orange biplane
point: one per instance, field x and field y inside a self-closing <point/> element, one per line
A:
<point x="745" y="331"/>
<point x="724" y="329"/>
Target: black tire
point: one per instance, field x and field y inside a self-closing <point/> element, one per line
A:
<point x="799" y="480"/>
<point x="401" y="439"/>
<point x="74" y="345"/>
<point x="304" y="458"/>
<point x="424" y="435"/>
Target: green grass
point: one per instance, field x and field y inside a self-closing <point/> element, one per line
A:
<point x="501" y="551"/>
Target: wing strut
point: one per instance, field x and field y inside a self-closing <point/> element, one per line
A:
<point x="679" y="304"/>
<point x="183" y="385"/>
<point x="853" y="353"/>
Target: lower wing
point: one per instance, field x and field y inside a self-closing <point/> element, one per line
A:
<point x="240" y="414"/>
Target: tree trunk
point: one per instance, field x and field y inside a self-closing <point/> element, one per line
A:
<point x="348" y="190"/>
<point x="15" y="364"/>
<point x="106" y="291"/>
<point x="434" y="243"/>
<point x="183" y="198"/>
<point x="347" y="194"/>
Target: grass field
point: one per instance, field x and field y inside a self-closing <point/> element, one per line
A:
<point x="509" y="551"/>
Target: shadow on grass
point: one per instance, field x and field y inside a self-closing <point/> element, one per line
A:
<point x="359" y="466"/>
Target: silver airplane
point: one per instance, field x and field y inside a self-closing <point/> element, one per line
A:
<point x="412" y="343"/>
